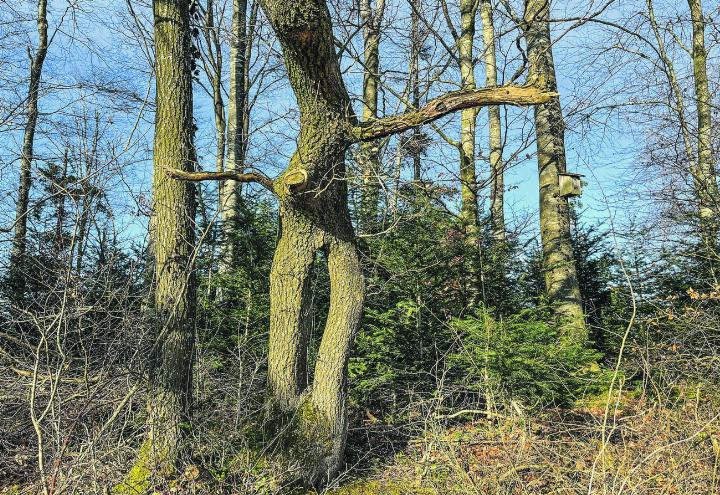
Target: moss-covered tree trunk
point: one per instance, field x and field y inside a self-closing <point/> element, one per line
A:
<point x="369" y="155"/>
<point x="18" y="253"/>
<point x="561" y="280"/>
<point x="314" y="215"/>
<point x="173" y="240"/>
<point x="704" y="175"/>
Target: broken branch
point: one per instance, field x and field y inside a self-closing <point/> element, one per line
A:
<point x="257" y="177"/>
<point x="451" y="102"/>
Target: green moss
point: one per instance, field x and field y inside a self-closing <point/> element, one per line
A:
<point x="149" y="463"/>
<point x="138" y="478"/>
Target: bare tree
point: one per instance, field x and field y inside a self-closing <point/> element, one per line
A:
<point x="497" y="172"/>
<point x="369" y="155"/>
<point x="19" y="245"/>
<point x="314" y="216"/>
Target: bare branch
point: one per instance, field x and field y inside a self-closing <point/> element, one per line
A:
<point x="451" y="102"/>
<point x="261" y="179"/>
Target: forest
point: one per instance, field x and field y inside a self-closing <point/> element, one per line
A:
<point x="356" y="247"/>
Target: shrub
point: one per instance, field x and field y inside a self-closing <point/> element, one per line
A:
<point x="524" y="359"/>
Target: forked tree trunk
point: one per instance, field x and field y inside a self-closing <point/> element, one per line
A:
<point x="18" y="253"/>
<point x="173" y="242"/>
<point x="561" y="280"/>
<point x="313" y="218"/>
<point x="369" y="155"/>
<point x="497" y="167"/>
<point x="704" y="175"/>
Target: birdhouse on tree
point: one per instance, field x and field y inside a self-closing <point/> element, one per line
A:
<point x="570" y="185"/>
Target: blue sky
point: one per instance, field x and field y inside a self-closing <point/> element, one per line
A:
<point x="96" y="48"/>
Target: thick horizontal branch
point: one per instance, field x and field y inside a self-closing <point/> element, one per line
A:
<point x="261" y="179"/>
<point x="451" y="102"/>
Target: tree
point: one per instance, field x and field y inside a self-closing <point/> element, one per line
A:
<point x="497" y="167"/>
<point x="19" y="244"/>
<point x="703" y="172"/>
<point x="469" y="214"/>
<point x="561" y="279"/>
<point x="314" y="216"/>
<point x="369" y="156"/>
<point x="241" y="43"/>
<point x="172" y="233"/>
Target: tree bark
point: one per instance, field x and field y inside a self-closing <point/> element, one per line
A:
<point x="369" y="155"/>
<point x="704" y="175"/>
<point x="238" y="125"/>
<point x="173" y="239"/>
<point x="497" y="167"/>
<point x="18" y="253"/>
<point x="561" y="279"/>
<point x="469" y="214"/>
<point x="468" y="180"/>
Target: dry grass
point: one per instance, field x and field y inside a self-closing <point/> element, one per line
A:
<point x="648" y="449"/>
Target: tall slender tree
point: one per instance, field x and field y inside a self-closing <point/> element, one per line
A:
<point x="241" y="44"/>
<point x="17" y="272"/>
<point x="414" y="83"/>
<point x="497" y="167"/>
<point x="469" y="209"/>
<point x="704" y="174"/>
<point x="173" y="239"/>
<point x="561" y="279"/>
<point x="369" y="155"/>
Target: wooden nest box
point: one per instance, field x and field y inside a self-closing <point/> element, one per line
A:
<point x="570" y="185"/>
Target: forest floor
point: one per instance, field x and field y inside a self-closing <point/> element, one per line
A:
<point x="637" y="447"/>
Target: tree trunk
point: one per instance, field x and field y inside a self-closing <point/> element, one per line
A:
<point x="314" y="216"/>
<point x="497" y="193"/>
<point x="18" y="268"/>
<point x="173" y="238"/>
<point x="369" y="155"/>
<point x="469" y="215"/>
<point x="561" y="279"/>
<point x="237" y="130"/>
<point x="414" y="82"/>
<point x="704" y="175"/>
